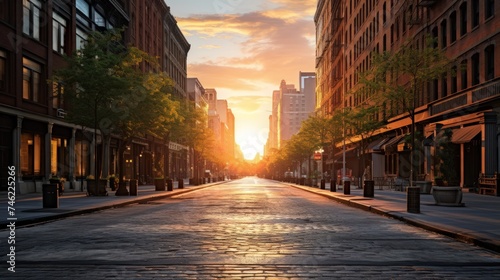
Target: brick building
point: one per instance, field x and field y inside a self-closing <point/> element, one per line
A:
<point x="34" y="36"/>
<point x="467" y="103"/>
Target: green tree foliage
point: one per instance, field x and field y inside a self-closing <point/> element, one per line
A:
<point x="397" y="79"/>
<point x="105" y="88"/>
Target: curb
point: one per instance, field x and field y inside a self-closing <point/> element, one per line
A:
<point x="466" y="238"/>
<point x="46" y="219"/>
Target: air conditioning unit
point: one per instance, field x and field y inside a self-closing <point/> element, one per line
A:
<point x="61" y="113"/>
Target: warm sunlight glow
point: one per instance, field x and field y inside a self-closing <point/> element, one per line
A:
<point x="244" y="49"/>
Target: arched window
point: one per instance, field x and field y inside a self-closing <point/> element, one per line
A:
<point x="489" y="65"/>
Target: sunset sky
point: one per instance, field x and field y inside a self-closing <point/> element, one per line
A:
<point x="244" y="49"/>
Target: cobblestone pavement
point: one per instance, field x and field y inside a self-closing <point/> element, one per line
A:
<point x="246" y="229"/>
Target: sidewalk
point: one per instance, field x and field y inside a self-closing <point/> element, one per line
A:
<point x="477" y="223"/>
<point x="29" y="207"/>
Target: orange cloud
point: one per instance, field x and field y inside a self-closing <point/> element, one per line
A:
<point x="273" y="49"/>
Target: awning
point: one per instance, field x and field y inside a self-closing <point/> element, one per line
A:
<point x="338" y="157"/>
<point x="376" y="146"/>
<point x="392" y="142"/>
<point x="465" y="134"/>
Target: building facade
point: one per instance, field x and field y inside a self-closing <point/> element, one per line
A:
<point x="290" y="107"/>
<point x="35" y="138"/>
<point x="466" y="103"/>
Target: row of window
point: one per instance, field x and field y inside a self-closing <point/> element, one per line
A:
<point x="32" y="157"/>
<point x="89" y="17"/>
<point x="449" y="34"/>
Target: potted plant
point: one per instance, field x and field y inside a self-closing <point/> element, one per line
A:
<point x="59" y="181"/>
<point x="96" y="187"/>
<point x="450" y="194"/>
<point x="159" y="182"/>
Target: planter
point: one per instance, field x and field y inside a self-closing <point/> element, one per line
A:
<point x="425" y="186"/>
<point x="96" y="188"/>
<point x="60" y="185"/>
<point x="447" y="196"/>
<point x="159" y="184"/>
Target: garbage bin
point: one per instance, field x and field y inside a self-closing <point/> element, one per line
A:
<point x="413" y="199"/>
<point x="133" y="187"/>
<point x="347" y="187"/>
<point x="50" y="195"/>
<point x="369" y="188"/>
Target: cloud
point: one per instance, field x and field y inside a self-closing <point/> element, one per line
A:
<point x="273" y="48"/>
<point x="210" y="47"/>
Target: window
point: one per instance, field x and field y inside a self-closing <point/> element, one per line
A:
<point x="475" y="13"/>
<point x="57" y="97"/>
<point x="443" y="34"/>
<point x="83" y="12"/>
<point x="31" y="18"/>
<point x="453" y="83"/>
<point x="31" y="156"/>
<point x="5" y="8"/>
<point x="392" y="33"/>
<point x="99" y="19"/>
<point x="463" y="19"/>
<point x="3" y="70"/>
<point x="58" y="33"/>
<point x="435" y="37"/>
<point x="463" y="74"/>
<point x="384" y="13"/>
<point x="489" y="8"/>
<point x="475" y="69"/>
<point x="32" y="72"/>
<point x="489" y="57"/>
<point x="453" y="27"/>
<point x="83" y="7"/>
<point x="59" y="156"/>
<point x="81" y="38"/>
<point x="444" y="86"/>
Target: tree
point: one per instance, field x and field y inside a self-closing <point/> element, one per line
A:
<point x="104" y="88"/>
<point x="362" y="122"/>
<point x="397" y="79"/>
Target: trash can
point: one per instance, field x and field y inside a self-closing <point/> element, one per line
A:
<point x="133" y="187"/>
<point x="347" y="187"/>
<point x="369" y="188"/>
<point x="50" y="194"/>
<point x="413" y="199"/>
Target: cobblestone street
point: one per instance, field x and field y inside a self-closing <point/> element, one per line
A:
<point x="250" y="228"/>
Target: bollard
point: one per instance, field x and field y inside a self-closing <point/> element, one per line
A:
<point x="50" y="195"/>
<point x="322" y="184"/>
<point x="413" y="199"/>
<point x="133" y="187"/>
<point x="347" y="187"/>
<point x="181" y="184"/>
<point x="369" y="188"/>
<point x="170" y="185"/>
<point x="333" y="186"/>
